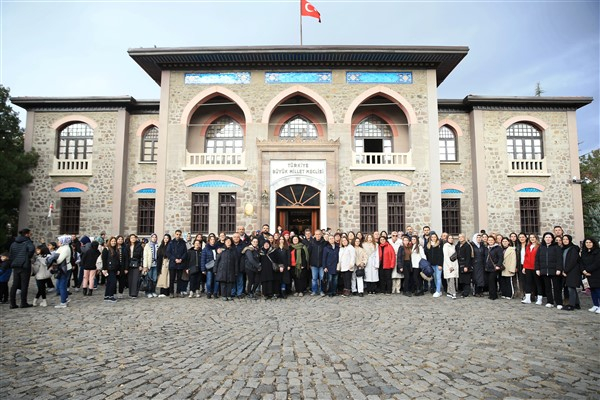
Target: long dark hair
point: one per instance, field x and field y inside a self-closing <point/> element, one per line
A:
<point x="162" y="249"/>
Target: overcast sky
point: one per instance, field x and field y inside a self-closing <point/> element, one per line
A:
<point x="78" y="48"/>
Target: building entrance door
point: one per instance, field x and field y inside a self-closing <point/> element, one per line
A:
<point x="298" y="207"/>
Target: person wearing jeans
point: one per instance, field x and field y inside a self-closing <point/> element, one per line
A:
<point x="64" y="257"/>
<point x="435" y="256"/>
<point x="315" y="251"/>
<point x="330" y="262"/>
<point x="207" y="262"/>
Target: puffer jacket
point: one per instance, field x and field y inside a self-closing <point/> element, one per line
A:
<point x="21" y="252"/>
<point x="40" y="269"/>
<point x="549" y="259"/>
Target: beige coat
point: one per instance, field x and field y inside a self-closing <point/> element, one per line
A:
<point x="510" y="262"/>
<point x="450" y="267"/>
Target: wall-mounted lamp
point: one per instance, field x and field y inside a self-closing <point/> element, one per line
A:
<point x="585" y="181"/>
<point x="330" y="196"/>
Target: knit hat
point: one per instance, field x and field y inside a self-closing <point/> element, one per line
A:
<point x="85" y="240"/>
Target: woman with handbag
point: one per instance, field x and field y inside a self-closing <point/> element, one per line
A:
<point x="207" y="264"/>
<point x="590" y="268"/>
<point x="509" y="270"/>
<point x="571" y="272"/>
<point x="494" y="257"/>
<point x="361" y="263"/>
<point x="435" y="255"/>
<point x="162" y="267"/>
<point x="451" y="272"/>
<point x="282" y="276"/>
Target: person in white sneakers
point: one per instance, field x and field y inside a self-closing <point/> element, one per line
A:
<point x="450" y="267"/>
<point x="531" y="278"/>
<point x="590" y="268"/>
<point x="41" y="274"/>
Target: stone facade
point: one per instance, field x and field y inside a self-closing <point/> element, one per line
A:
<point x="482" y="177"/>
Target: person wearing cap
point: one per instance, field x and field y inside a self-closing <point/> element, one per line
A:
<point x="20" y="253"/>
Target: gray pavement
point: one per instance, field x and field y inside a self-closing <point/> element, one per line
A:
<point x="375" y="347"/>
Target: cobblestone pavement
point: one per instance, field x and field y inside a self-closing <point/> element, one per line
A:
<point x="376" y="347"/>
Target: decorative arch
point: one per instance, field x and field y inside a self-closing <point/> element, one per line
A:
<point x="71" y="187"/>
<point x="309" y="116"/>
<point x="208" y="94"/>
<point x="144" y="188"/>
<point x="215" y="177"/>
<point x="298" y="90"/>
<point x="404" y="105"/>
<point x="74" y="118"/>
<point x="452" y="188"/>
<point x="145" y="125"/>
<point x="359" y="117"/>
<point x="452" y="125"/>
<point x="542" y="125"/>
<point x="529" y="187"/>
<point x="382" y="177"/>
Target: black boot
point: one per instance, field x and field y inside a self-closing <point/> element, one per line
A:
<point x="90" y="292"/>
<point x="85" y="291"/>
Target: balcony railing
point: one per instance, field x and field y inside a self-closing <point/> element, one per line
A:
<point x="71" y="167"/>
<point x="528" y="167"/>
<point x="400" y="161"/>
<point x="215" y="161"/>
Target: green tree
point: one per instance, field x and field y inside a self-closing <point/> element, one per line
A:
<point x="16" y="165"/>
<point x="589" y="165"/>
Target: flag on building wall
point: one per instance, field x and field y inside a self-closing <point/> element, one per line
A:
<point x="50" y="209"/>
<point x="308" y="10"/>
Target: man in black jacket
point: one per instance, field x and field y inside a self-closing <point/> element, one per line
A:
<point x="315" y="257"/>
<point x="20" y="255"/>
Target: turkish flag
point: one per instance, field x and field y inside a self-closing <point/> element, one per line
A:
<point x="308" y="10"/>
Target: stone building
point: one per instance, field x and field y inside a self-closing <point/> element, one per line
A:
<point x="353" y="137"/>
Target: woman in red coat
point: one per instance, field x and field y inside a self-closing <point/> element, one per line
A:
<point x="387" y="262"/>
<point x="531" y="279"/>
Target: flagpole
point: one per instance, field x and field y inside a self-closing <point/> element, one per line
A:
<point x="300" y="22"/>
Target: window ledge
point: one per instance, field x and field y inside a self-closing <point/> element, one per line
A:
<point x="532" y="173"/>
<point x="449" y="162"/>
<point x="147" y="162"/>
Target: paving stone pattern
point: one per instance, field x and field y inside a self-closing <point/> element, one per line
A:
<point x="376" y="347"/>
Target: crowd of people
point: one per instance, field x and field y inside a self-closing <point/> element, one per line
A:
<point x="324" y="263"/>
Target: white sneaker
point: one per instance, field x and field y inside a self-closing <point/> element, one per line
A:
<point x="61" y="305"/>
<point x="559" y="307"/>
<point x="549" y="305"/>
<point x="43" y="303"/>
<point x="598" y="311"/>
<point x="593" y="309"/>
<point x="191" y="295"/>
<point x="539" y="301"/>
<point x="453" y="297"/>
<point x="149" y="295"/>
<point x="34" y="303"/>
<point x="437" y="294"/>
<point x="162" y="295"/>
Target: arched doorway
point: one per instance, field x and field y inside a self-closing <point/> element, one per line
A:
<point x="298" y="207"/>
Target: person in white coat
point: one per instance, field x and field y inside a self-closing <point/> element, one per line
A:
<point x="346" y="264"/>
<point x="371" y="270"/>
<point x="450" y="267"/>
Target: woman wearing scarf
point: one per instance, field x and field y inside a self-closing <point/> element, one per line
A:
<point x="571" y="272"/>
<point x="162" y="267"/>
<point x="63" y="263"/>
<point x="510" y="267"/>
<point x="150" y="270"/>
<point x="299" y="264"/>
<point x="478" y="264"/>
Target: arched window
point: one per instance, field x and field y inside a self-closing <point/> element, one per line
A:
<point x="447" y="144"/>
<point x="524" y="142"/>
<point x="298" y="126"/>
<point x="373" y="135"/>
<point x="224" y="136"/>
<point x="75" y="142"/>
<point x="150" y="144"/>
